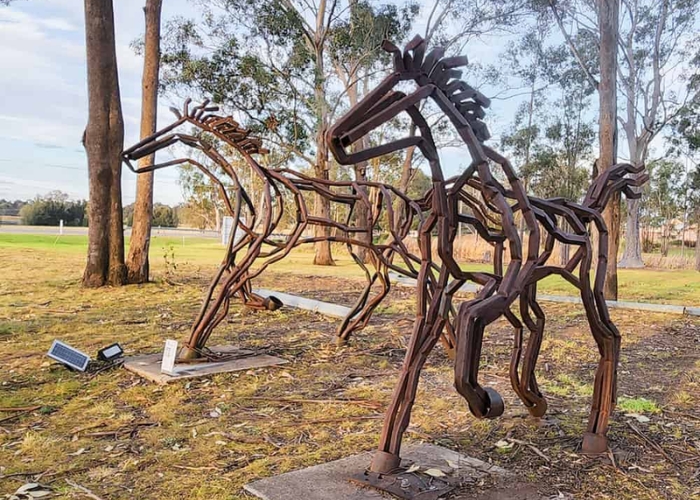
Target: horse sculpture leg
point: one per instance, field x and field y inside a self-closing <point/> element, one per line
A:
<point x="426" y="333"/>
<point x="515" y="358"/>
<point x="595" y="440"/>
<point x="363" y="309"/>
<point x="210" y="312"/>
<point x="528" y="382"/>
<point x="470" y="324"/>
<point x="608" y="339"/>
<point x="254" y="301"/>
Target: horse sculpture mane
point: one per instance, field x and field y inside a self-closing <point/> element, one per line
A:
<point x="223" y="127"/>
<point x="441" y="71"/>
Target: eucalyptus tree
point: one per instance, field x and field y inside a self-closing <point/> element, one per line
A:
<point x="103" y="140"/>
<point x="642" y="58"/>
<point x="357" y="59"/>
<point x="664" y="197"/>
<point x="278" y="62"/>
<point x="453" y="24"/>
<point x="267" y="60"/>
<point x="137" y="264"/>
<point x="686" y="142"/>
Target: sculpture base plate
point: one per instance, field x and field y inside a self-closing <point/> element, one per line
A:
<point x="148" y="366"/>
<point x="345" y="479"/>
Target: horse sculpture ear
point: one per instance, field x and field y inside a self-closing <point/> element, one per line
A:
<point x="176" y="112"/>
<point x="387" y="46"/>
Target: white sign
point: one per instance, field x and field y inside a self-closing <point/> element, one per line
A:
<point x="226" y="226"/>
<point x="169" y="354"/>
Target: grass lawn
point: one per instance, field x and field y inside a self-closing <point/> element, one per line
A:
<point x="123" y="438"/>
<point x="679" y="287"/>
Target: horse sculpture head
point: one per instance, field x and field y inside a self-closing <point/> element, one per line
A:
<point x="436" y="77"/>
<point x="201" y="117"/>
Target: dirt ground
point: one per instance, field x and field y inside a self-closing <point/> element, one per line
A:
<point x="118" y="437"/>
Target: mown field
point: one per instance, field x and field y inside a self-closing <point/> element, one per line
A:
<point x="122" y="438"/>
<point x="681" y="287"/>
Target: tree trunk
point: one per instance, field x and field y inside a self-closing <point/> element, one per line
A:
<point x="137" y="261"/>
<point x="217" y="219"/>
<point x="632" y="256"/>
<point x="564" y="249"/>
<point x="360" y="169"/>
<point x="697" y="243"/>
<point x="362" y="213"/>
<point x="608" y="17"/>
<point x="406" y="169"/>
<point x="322" y="206"/>
<point x="103" y="141"/>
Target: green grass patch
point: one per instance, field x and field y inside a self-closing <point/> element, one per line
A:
<point x="637" y="405"/>
<point x="643" y="285"/>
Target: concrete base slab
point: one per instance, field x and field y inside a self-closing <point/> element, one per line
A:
<point x="148" y="366"/>
<point x="331" y="480"/>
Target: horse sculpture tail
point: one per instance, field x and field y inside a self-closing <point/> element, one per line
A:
<point x="613" y="180"/>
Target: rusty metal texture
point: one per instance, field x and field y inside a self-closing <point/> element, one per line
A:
<point x="437" y="78"/>
<point x="257" y="214"/>
<point x="492" y="209"/>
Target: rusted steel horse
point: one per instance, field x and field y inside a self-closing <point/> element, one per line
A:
<point x="280" y="188"/>
<point x="437" y="78"/>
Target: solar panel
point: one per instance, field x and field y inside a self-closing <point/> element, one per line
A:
<point x="68" y="355"/>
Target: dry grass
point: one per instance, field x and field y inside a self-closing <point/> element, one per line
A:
<point x="124" y="438"/>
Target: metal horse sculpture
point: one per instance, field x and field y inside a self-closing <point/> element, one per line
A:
<point x="280" y="188"/>
<point x="437" y="78"/>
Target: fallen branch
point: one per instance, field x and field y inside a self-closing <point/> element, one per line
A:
<point x="533" y="448"/>
<point x="681" y="414"/>
<point x="83" y="490"/>
<point x="17" y="415"/>
<point x="18" y="474"/>
<point x="185" y="467"/>
<point x="332" y="420"/>
<point x="20" y="408"/>
<point x="122" y="430"/>
<point x="656" y="446"/>
<point x="358" y="402"/>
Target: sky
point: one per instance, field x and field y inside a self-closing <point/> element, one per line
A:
<point x="44" y="97"/>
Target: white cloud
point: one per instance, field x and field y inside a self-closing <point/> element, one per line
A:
<point x="58" y="24"/>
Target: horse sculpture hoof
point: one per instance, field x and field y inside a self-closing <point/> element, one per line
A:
<point x="539" y="409"/>
<point x="272" y="303"/>
<point x="594" y="444"/>
<point x="384" y="462"/>
<point x="496" y="404"/>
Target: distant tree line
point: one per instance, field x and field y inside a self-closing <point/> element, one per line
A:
<point x="11" y="207"/>
<point x="52" y="208"/>
<point x="163" y="215"/>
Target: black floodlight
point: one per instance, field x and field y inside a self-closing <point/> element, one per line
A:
<point x="69" y="356"/>
<point x="110" y="353"/>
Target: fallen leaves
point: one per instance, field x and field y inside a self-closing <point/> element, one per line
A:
<point x="31" y="490"/>
<point x="435" y="473"/>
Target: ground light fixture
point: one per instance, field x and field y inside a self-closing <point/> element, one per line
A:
<point x="110" y="353"/>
